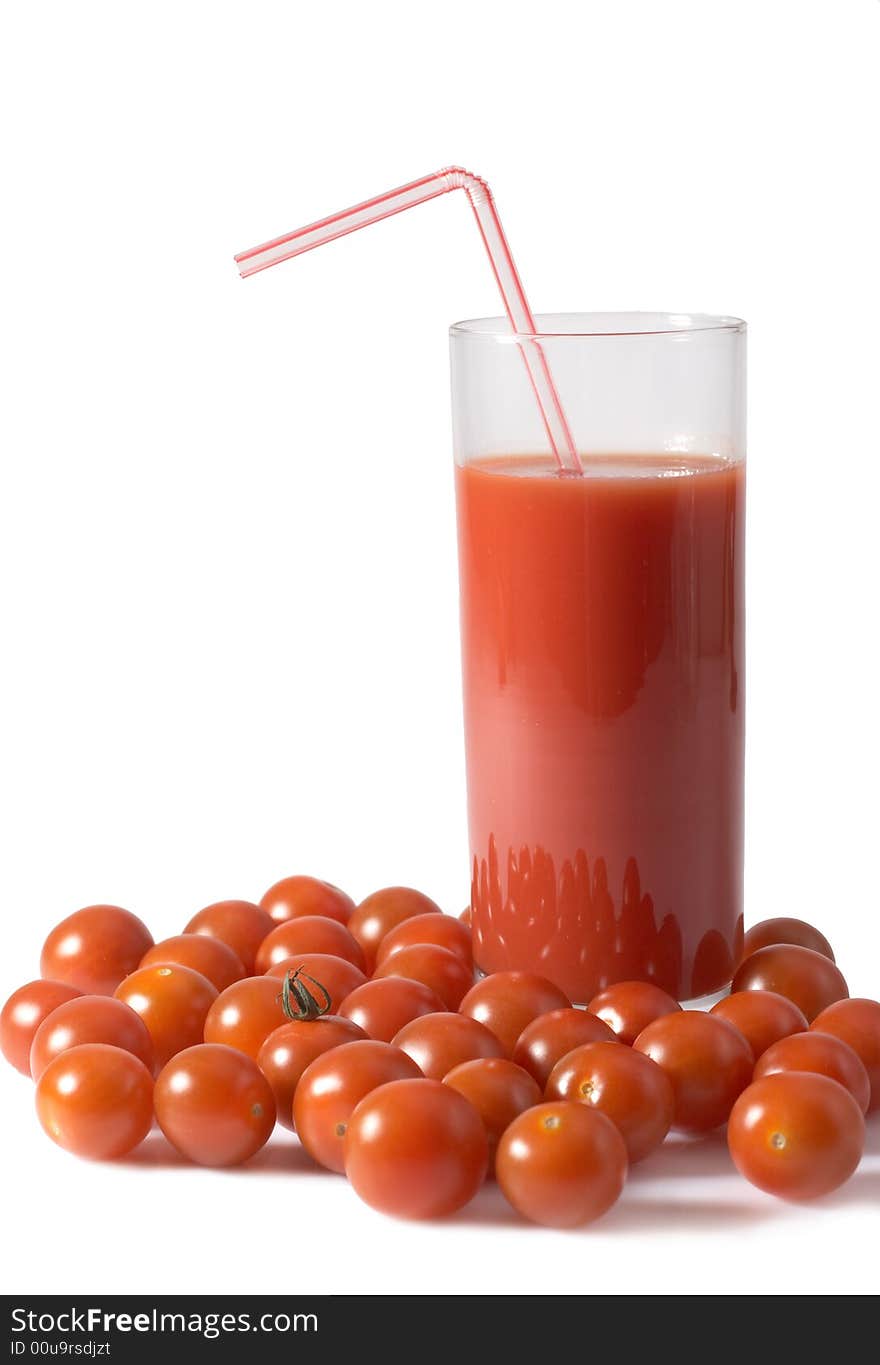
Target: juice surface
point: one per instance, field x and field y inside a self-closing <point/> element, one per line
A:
<point x="602" y="643"/>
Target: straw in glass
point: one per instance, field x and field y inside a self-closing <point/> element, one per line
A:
<point x="506" y="274"/>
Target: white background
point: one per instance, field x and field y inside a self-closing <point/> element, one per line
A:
<point x="227" y="548"/>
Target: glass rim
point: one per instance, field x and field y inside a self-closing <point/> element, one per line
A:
<point x="586" y="326"/>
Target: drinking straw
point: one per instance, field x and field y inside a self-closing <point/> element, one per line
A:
<point x="506" y="274"/>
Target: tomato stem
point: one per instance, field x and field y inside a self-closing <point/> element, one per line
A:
<point x="298" y="1002"/>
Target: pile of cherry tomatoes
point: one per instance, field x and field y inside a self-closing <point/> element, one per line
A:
<point x="360" y="1028"/>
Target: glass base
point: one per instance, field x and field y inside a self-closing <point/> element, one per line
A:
<point x="705" y="1002"/>
<point x="699" y="1002"/>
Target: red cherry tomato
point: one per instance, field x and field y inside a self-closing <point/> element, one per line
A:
<point x="762" y="1017"/>
<point x="173" y="1003"/>
<point x="857" y="1022"/>
<point x="383" y="911"/>
<point x="293" y="897"/>
<point x="96" y="1101"/>
<point x="210" y="956"/>
<point x="23" y="1014"/>
<point x="90" y="1019"/>
<point x="465" y="916"/>
<point x="308" y="934"/>
<point x="506" y="1001"/>
<point x="239" y="924"/>
<point x="561" y="1164"/>
<point x="439" y="1042"/>
<point x="245" y="1014"/>
<point x="337" y="975"/>
<point x="784" y="930"/>
<point x="95" y="948"/>
<point x="547" y="1039"/>
<point x="441" y="930"/>
<point x="498" y="1090"/>
<point x="333" y="1084"/>
<point x="626" y="1086"/>
<point x="214" y="1105"/>
<point x="440" y="970"/>
<point x="800" y="974"/>
<point x="382" y="1007"/>
<point x="289" y="1049"/>
<point x="630" y="1006"/>
<point x="822" y="1054"/>
<point x="708" y="1062"/>
<point x="416" y="1149"/>
<point x="796" y="1135"/>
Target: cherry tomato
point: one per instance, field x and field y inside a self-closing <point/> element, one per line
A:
<point x="762" y="1017"/>
<point x="439" y="1042"/>
<point x="333" y="1084"/>
<point x="506" y="1001"/>
<point x="383" y="911"/>
<point x="383" y="1006"/>
<point x="466" y="916"/>
<point x="857" y="1022"/>
<point x="214" y="1105"/>
<point x="800" y="974"/>
<point x="796" y="1134"/>
<point x="441" y="930"/>
<point x="337" y="975"/>
<point x="245" y="1014"/>
<point x="210" y="956"/>
<point x="440" y="970"/>
<point x="23" y="1014"/>
<point x="498" y="1090"/>
<point x="173" y="1003"/>
<point x="416" y="1149"/>
<point x="90" y="1019"/>
<point x="707" y="1060"/>
<point x="630" y="1006"/>
<point x="96" y="1101"/>
<point x="95" y="948"/>
<point x="626" y="1086"/>
<point x="293" y="897"/>
<point x="308" y="934"/>
<point x="548" y="1038"/>
<point x="784" y="930"/>
<point x="241" y="925"/>
<point x="822" y="1054"/>
<point x="289" y="1049"/>
<point x="561" y="1164"/>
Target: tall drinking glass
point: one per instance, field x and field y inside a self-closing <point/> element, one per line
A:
<point x="602" y="647"/>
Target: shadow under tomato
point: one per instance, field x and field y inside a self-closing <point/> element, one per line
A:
<point x="685" y="1157"/>
<point x="276" y="1158"/>
<point x="283" y="1158"/>
<point x="862" y="1190"/>
<point x="872" y="1135"/>
<point x="489" y="1208"/>
<point x="632" y="1213"/>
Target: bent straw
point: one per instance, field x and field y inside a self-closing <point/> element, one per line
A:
<point x="506" y="274"/>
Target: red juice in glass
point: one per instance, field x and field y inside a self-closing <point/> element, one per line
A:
<point x="603" y="654"/>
